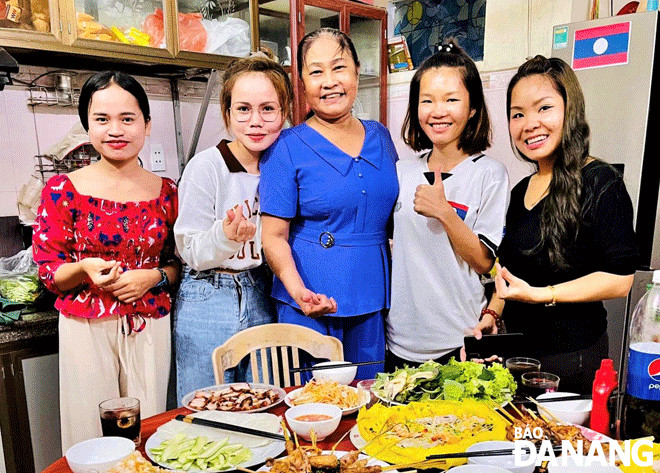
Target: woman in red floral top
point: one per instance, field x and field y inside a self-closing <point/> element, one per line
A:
<point x="103" y="242"/>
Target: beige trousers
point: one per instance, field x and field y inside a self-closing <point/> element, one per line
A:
<point x="98" y="362"/>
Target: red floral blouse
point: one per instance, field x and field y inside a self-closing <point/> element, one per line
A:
<point x="71" y="227"/>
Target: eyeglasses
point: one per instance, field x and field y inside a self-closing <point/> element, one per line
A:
<point x="267" y="112"/>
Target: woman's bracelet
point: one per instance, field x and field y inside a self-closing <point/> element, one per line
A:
<point x="494" y="315"/>
<point x="553" y="302"/>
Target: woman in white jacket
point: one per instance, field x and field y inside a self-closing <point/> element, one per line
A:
<point x="226" y="284"/>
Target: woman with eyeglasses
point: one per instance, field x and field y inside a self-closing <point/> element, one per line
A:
<point x="327" y="190"/>
<point x="226" y="284"/>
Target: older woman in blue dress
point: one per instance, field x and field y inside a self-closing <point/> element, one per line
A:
<point x="328" y="187"/>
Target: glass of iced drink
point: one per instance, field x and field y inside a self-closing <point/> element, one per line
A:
<point x="120" y="417"/>
<point x="519" y="366"/>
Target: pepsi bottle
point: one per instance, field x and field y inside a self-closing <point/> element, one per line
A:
<point x="640" y="416"/>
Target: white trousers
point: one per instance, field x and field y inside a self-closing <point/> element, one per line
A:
<point x="98" y="362"/>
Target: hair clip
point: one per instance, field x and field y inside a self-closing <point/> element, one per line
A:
<point x="446" y="48"/>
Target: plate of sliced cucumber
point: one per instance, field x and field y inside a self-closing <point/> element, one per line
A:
<point x="190" y="447"/>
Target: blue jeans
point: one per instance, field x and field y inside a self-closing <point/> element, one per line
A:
<point x="209" y="309"/>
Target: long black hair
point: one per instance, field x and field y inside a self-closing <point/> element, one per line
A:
<point x="560" y="216"/>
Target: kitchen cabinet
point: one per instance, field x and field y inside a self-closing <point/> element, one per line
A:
<point x="91" y="34"/>
<point x="367" y="27"/>
<point x="179" y="33"/>
<point x="25" y="349"/>
<point x="30" y="21"/>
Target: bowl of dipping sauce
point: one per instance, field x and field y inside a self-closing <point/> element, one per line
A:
<point x="322" y="418"/>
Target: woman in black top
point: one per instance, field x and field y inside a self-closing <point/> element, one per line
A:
<point x="569" y="240"/>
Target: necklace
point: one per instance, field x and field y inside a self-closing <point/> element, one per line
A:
<point x="533" y="204"/>
<point x="539" y="198"/>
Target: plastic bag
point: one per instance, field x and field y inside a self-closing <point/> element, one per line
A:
<point x="74" y="138"/>
<point x="29" y="198"/>
<point x="229" y="37"/>
<point x="154" y="27"/>
<point x="19" y="281"/>
<point x="192" y="34"/>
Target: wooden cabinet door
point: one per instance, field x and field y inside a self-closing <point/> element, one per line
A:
<point x="120" y="27"/>
<point x="29" y="21"/>
<point x="215" y="31"/>
<point x="366" y="25"/>
<point x="367" y="28"/>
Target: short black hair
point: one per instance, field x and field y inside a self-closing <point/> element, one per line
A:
<point x="103" y="80"/>
<point x="476" y="135"/>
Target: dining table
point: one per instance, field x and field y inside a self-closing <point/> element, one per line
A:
<point x="151" y="424"/>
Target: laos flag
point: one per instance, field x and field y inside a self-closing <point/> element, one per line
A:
<point x="601" y="46"/>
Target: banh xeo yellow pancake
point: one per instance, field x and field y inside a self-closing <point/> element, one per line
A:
<point x="419" y="429"/>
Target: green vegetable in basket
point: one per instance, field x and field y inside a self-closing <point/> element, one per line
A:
<point x="24" y="288"/>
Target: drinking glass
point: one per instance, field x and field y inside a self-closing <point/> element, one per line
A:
<point x="535" y="383"/>
<point x="120" y="417"/>
<point x="520" y="365"/>
<point x="365" y="388"/>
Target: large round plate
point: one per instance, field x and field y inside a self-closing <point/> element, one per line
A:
<point x="356" y="437"/>
<point x="592" y="435"/>
<point x="271" y="448"/>
<point x="363" y="396"/>
<point x="358" y="441"/>
<point x="389" y="402"/>
<point x="218" y="387"/>
<point x="340" y="453"/>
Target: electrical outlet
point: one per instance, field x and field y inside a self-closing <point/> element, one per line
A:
<point x="157" y="157"/>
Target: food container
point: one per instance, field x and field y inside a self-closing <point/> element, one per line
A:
<point x="98" y="455"/>
<point x="570" y="412"/>
<point x="323" y="428"/>
<point x="340" y="375"/>
<point x="506" y="462"/>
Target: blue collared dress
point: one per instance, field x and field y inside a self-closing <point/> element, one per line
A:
<point x="338" y="206"/>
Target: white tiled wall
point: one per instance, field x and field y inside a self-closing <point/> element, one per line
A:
<point x="26" y="131"/>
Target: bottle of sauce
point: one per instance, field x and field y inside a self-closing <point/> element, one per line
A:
<point x="604" y="383"/>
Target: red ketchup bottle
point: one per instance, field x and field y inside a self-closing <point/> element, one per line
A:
<point x="604" y="383"/>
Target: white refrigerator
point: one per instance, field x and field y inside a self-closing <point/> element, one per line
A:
<point x="614" y="60"/>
